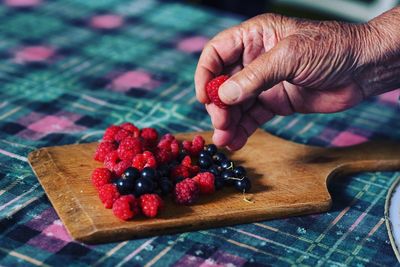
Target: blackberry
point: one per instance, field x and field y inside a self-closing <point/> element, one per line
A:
<point x="131" y="173"/>
<point x="205" y="162"/>
<point x="203" y="154"/>
<point x="143" y="186"/>
<point x="214" y="169"/>
<point x="219" y="157"/>
<point x="125" y="186"/>
<point x="239" y="172"/>
<point x="211" y="149"/>
<point x="227" y="164"/>
<point x="149" y="173"/>
<point x="227" y="175"/>
<point x="165" y="186"/>
<point x="243" y="185"/>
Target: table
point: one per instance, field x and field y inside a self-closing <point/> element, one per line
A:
<point x="70" y="68"/>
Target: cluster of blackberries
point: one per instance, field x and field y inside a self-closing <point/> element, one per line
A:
<point x="224" y="169"/>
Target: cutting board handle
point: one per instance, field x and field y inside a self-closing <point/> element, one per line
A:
<point x="383" y="155"/>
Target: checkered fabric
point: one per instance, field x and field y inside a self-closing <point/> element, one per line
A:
<point x="70" y="68"/>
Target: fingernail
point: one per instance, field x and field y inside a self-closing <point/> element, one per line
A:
<point x="229" y="92"/>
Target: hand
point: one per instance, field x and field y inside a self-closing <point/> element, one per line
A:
<point x="279" y="66"/>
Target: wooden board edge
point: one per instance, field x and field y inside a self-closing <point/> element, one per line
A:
<point x="99" y="236"/>
<point x="42" y="168"/>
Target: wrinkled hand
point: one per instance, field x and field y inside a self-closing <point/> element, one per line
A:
<point x="279" y="66"/>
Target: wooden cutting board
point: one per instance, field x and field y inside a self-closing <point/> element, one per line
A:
<point x="288" y="179"/>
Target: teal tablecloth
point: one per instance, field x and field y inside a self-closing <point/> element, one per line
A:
<point x="70" y="68"/>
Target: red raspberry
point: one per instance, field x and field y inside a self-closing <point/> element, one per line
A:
<point x="186" y="192"/>
<point x="146" y="159"/>
<point x="212" y="90"/>
<point x="169" y="143"/>
<point x="111" y="131"/>
<point x="162" y="156"/>
<point x="103" y="149"/>
<point x="194" y="147"/>
<point x="197" y="144"/>
<point x="175" y="148"/>
<point x="111" y="160"/>
<point x="121" y="166"/>
<point x="126" y="207"/>
<point x="150" y="137"/>
<point x="205" y="181"/>
<point x="129" y="147"/>
<point x="180" y="170"/>
<point x="121" y="135"/>
<point x="187" y="161"/>
<point x="108" y="193"/>
<point x="150" y="204"/>
<point x="100" y="177"/>
<point x="131" y="128"/>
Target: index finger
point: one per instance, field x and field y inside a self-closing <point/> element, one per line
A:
<point x="223" y="50"/>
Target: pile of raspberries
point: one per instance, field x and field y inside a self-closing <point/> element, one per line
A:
<point x="140" y="167"/>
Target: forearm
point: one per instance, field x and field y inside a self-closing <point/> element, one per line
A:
<point x="380" y="48"/>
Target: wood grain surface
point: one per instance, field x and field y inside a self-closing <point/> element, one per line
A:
<point x="288" y="179"/>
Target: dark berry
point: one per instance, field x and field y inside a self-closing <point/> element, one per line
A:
<point x="125" y="186"/>
<point x="165" y="186"/>
<point x="203" y="154"/>
<point x="239" y="172"/>
<point x="163" y="171"/>
<point x="219" y="157"/>
<point x="227" y="164"/>
<point x="131" y="173"/>
<point x="143" y="186"/>
<point x="214" y="169"/>
<point x="149" y="173"/>
<point x="227" y="175"/>
<point x="219" y="182"/>
<point x="243" y="185"/>
<point x="211" y="149"/>
<point x="205" y="162"/>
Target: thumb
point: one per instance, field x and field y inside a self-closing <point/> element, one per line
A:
<point x="264" y="72"/>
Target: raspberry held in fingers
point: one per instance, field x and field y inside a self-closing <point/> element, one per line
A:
<point x="212" y="90"/>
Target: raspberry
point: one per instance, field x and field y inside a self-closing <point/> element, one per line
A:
<point x="129" y="147"/>
<point x="162" y="156"/>
<point x="146" y="159"/>
<point x="100" y="177"/>
<point x="108" y="193"/>
<point x="212" y="90"/>
<point x="111" y="131"/>
<point x="121" y="135"/>
<point x="103" y="149"/>
<point x="187" y="161"/>
<point x="167" y="137"/>
<point x="194" y="147"/>
<point x="205" y="181"/>
<point x="175" y="148"/>
<point x="180" y="170"/>
<point x="169" y="143"/>
<point x="125" y="207"/>
<point x="131" y="128"/>
<point x="150" y="204"/>
<point x="121" y="166"/>
<point x="186" y="192"/>
<point x="197" y="144"/>
<point x="111" y="160"/>
<point x="150" y="137"/>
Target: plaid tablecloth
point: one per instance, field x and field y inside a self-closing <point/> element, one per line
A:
<point x="70" y="68"/>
